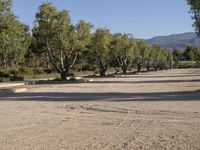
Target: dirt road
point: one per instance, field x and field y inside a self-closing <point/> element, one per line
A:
<point x="157" y="110"/>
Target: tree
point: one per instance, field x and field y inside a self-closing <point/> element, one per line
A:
<point x="59" y="39"/>
<point x="84" y="38"/>
<point x="192" y="53"/>
<point x="169" y="62"/>
<point x="123" y="47"/>
<point x="178" y="55"/>
<point x="142" y="54"/>
<point x="100" y="49"/>
<point x="195" y="10"/>
<point x="149" y="59"/>
<point x="160" y="58"/>
<point x="14" y="37"/>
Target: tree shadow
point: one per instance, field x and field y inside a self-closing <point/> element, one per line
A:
<point x="158" y="76"/>
<point x="114" y="97"/>
<point x="146" y="82"/>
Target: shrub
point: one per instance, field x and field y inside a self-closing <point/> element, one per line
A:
<point x="198" y="64"/>
<point x="25" y="70"/>
<point x="14" y="72"/>
<point x="4" y="74"/>
<point x="88" y="68"/>
<point x="16" y="78"/>
<point x="71" y="74"/>
<point x="37" y="71"/>
<point x="3" y="79"/>
<point x="185" y="64"/>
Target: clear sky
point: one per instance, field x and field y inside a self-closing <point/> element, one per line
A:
<point x="142" y="18"/>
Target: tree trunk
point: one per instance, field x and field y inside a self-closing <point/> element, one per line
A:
<point x="102" y="69"/>
<point x="148" y="68"/>
<point x="48" y="62"/>
<point x="139" y="67"/>
<point x="63" y="76"/>
<point x="5" y="62"/>
<point x="124" y="69"/>
<point x="102" y="73"/>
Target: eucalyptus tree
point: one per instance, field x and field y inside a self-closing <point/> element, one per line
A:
<point x="14" y="37"/>
<point x="155" y="54"/>
<point x="150" y="59"/>
<point x="192" y="53"/>
<point x="142" y="54"/>
<point x="169" y="63"/>
<point x="195" y="10"/>
<point x="58" y="38"/>
<point x="160" y="56"/>
<point x="122" y="48"/>
<point x="178" y="54"/>
<point x="100" y="49"/>
<point x="85" y="38"/>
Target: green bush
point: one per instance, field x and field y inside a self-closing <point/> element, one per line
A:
<point x="3" y="79"/>
<point x="198" y="64"/>
<point x="14" y="72"/>
<point x="31" y="71"/>
<point x="16" y="78"/>
<point x="186" y="64"/>
<point x="37" y="71"/>
<point x="89" y="68"/>
<point x="25" y="70"/>
<point x="71" y="74"/>
<point x="4" y="74"/>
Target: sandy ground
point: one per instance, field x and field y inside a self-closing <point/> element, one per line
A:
<point x="157" y="110"/>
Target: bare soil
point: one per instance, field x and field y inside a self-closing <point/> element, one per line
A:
<point x="156" y="110"/>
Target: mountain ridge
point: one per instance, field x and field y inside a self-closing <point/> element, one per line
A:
<point x="174" y="41"/>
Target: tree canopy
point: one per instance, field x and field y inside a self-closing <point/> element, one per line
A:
<point x="14" y="37"/>
<point x="55" y="43"/>
<point x="195" y="10"/>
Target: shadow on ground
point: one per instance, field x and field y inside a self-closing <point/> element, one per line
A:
<point x="148" y="82"/>
<point x="115" y="97"/>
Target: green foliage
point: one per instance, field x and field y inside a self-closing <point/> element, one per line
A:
<point x="12" y="74"/>
<point x="16" y="78"/>
<point x="195" y="10"/>
<point x="142" y="55"/>
<point x="100" y="49"/>
<point x="4" y="74"/>
<point x="192" y="53"/>
<point x="178" y="54"/>
<point x="58" y="39"/>
<point x="14" y="37"/>
<point x="123" y="50"/>
<point x="58" y="45"/>
<point x="186" y="64"/>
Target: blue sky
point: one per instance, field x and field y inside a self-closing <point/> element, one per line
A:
<point x="142" y="18"/>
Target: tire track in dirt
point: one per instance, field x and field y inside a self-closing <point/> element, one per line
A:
<point x="33" y="132"/>
<point x="142" y="126"/>
<point x="119" y="126"/>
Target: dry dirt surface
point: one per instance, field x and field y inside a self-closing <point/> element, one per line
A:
<point x="157" y="110"/>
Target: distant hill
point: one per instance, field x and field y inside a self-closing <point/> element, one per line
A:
<point x="173" y="41"/>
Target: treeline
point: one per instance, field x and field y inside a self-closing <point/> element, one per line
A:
<point x="56" y="44"/>
<point x="191" y="53"/>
